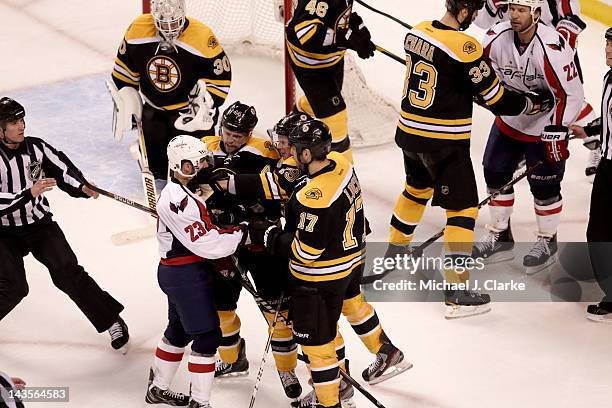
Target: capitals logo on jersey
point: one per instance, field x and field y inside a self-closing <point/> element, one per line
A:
<point x="164" y="73"/>
<point x="175" y="208"/>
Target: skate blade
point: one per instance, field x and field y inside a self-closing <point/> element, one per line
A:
<point x="532" y="270"/>
<point x="458" y="312"/>
<point x="233" y="376"/>
<point x="600" y="318"/>
<point x="395" y="370"/>
<point x="348" y="403"/>
<point x="503" y="256"/>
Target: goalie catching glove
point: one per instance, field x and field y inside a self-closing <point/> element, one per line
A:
<point x="356" y="37"/>
<point x="201" y="113"/>
<point x="127" y="109"/>
<point x="556" y="140"/>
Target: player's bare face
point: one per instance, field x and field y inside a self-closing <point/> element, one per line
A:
<point x="283" y="147"/>
<point x="520" y="17"/>
<point x="232" y="141"/>
<point x="188" y="169"/>
<point x="609" y="53"/>
<point x="14" y="131"/>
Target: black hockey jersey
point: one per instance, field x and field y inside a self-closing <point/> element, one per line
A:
<point x="277" y="184"/>
<point x="165" y="77"/>
<point x="324" y="237"/>
<point x="445" y="69"/>
<point x="311" y="33"/>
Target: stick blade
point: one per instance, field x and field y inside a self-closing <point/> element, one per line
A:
<point x="134" y="235"/>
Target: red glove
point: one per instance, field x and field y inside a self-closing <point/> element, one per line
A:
<point x="556" y="140"/>
<point x="570" y="27"/>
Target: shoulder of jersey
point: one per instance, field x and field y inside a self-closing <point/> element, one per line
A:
<point x="199" y="39"/>
<point x="551" y="37"/>
<point x="324" y="190"/>
<point x="498" y="29"/>
<point x="142" y="27"/>
<point x="213" y="143"/>
<point x="261" y="147"/>
<point x="289" y="162"/>
<point x="456" y="44"/>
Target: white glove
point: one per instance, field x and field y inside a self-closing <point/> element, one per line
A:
<point x="201" y="110"/>
<point x="128" y="106"/>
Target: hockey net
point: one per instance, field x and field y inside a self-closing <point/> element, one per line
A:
<point x="250" y="27"/>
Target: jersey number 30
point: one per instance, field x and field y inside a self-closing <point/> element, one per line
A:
<point x="427" y="78"/>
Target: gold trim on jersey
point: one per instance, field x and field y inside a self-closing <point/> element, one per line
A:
<point x="450" y="129"/>
<point x="493" y="93"/>
<point x="456" y="44"/>
<point x="303" y="252"/>
<point x="199" y="40"/>
<point x="327" y="270"/>
<point x="256" y="145"/>
<point x="271" y="187"/>
<point x="143" y="27"/>
<point x="324" y="189"/>
<point x="124" y="73"/>
<point x="313" y="60"/>
<point x="306" y="29"/>
<point x="219" y="87"/>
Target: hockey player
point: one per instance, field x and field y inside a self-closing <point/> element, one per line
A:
<point x="564" y="16"/>
<point x="29" y="168"/>
<point x="238" y="151"/>
<point x="445" y="69"/>
<point x="325" y="251"/>
<point x="317" y="38"/>
<point x="182" y="73"/>
<point x="599" y="230"/>
<point x="279" y="185"/>
<point x="188" y="241"/>
<point x="528" y="55"/>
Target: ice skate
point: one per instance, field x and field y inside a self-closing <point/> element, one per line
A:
<point x="119" y="336"/>
<point x="389" y="362"/>
<point x="195" y="404"/>
<point x="542" y="255"/>
<point x="156" y="395"/>
<point x="591" y="169"/>
<point x="239" y="368"/>
<point x="598" y="313"/>
<point x="310" y="401"/>
<point x="466" y="303"/>
<point x="496" y="246"/>
<point x="291" y="384"/>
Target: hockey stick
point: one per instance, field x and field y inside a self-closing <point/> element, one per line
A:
<point x="382" y="13"/>
<point x="148" y="181"/>
<point x="390" y="55"/>
<point x="264" y="305"/>
<point x="266" y="350"/>
<point x="123" y="200"/>
<point x="418" y="251"/>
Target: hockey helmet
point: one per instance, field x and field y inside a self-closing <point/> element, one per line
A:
<point x="187" y="148"/>
<point x="169" y="17"/>
<point x="239" y="118"/>
<point x="284" y="126"/>
<point x="10" y="111"/>
<point x="472" y="6"/>
<point x="609" y="34"/>
<point x="313" y="135"/>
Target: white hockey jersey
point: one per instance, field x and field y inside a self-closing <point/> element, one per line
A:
<point x="185" y="232"/>
<point x="546" y="63"/>
<point x="552" y="12"/>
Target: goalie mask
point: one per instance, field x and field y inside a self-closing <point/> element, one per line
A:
<point x="190" y="149"/>
<point x="169" y="17"/>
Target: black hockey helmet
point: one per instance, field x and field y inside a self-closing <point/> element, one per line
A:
<point x="239" y="118"/>
<point x="472" y="6"/>
<point x="313" y="135"/>
<point x="10" y="111"/>
<point x="609" y="34"/>
<point x="284" y="126"/>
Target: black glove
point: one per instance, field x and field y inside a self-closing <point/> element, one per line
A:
<point x="229" y="216"/>
<point x="210" y="176"/>
<point x="257" y="230"/>
<point x="356" y="37"/>
<point x="539" y="101"/>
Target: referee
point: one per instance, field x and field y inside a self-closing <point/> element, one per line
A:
<point x="29" y="167"/>
<point x="599" y="229"/>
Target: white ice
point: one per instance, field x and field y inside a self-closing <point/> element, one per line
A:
<point x="56" y="55"/>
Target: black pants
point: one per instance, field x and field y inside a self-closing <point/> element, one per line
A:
<point x="46" y="241"/>
<point x="599" y="230"/>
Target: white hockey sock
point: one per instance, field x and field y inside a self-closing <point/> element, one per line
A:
<point x="548" y="216"/>
<point x="202" y="373"/>
<point x="500" y="210"/>
<point x="167" y="360"/>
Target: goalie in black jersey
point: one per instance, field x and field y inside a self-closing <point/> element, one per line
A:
<point x="317" y="38"/>
<point x="182" y="73"/>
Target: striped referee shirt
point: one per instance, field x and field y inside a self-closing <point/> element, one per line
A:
<point x="602" y="126"/>
<point x="6" y="385"/>
<point x="20" y="168"/>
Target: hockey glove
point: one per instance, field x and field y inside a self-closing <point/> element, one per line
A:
<point x="569" y="28"/>
<point x="592" y="130"/>
<point x="201" y="114"/>
<point x="356" y="37"/>
<point x="556" y="140"/>
<point x="539" y="101"/>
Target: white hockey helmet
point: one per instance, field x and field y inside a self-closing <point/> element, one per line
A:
<point x="187" y="148"/>
<point x="169" y="17"/>
<point x="533" y="4"/>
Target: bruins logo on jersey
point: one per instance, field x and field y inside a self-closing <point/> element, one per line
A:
<point x="313" y="194"/>
<point x="213" y="42"/>
<point x="469" y="47"/>
<point x="164" y="73"/>
<point x="290" y="174"/>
